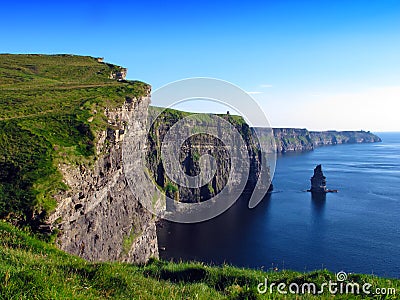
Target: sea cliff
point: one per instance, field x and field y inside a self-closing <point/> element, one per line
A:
<point x="63" y="123"/>
<point x="196" y="146"/>
<point x="100" y="218"/>
<point x="332" y="137"/>
<point x="297" y="140"/>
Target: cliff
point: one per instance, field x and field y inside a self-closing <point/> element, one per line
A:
<point x="287" y="140"/>
<point x="62" y="124"/>
<point x="99" y="218"/>
<point x="193" y="148"/>
<point x="322" y="138"/>
<point x="292" y="139"/>
<point x="62" y="172"/>
<point x="297" y="140"/>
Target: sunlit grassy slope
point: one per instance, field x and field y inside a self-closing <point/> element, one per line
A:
<point x="50" y="109"/>
<point x="31" y="269"/>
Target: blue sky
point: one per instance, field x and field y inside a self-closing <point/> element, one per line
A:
<point x="315" y="64"/>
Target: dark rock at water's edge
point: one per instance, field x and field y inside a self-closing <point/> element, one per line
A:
<point x="318" y="182"/>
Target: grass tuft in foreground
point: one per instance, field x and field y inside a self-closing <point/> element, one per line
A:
<point x="32" y="269"/>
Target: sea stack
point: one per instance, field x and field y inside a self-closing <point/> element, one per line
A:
<point x="318" y="181"/>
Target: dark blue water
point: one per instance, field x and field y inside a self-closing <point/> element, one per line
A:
<point x="355" y="230"/>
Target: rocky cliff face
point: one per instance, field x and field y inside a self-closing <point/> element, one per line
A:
<point x="322" y="138"/>
<point x="100" y="218"/>
<point x="292" y="139"/>
<point x="295" y="139"/>
<point x="192" y="149"/>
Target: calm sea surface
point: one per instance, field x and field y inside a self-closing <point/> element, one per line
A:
<point x="355" y="230"/>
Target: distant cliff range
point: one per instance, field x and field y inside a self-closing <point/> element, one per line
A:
<point x="296" y="139"/>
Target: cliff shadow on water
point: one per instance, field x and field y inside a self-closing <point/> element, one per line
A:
<point x="215" y="236"/>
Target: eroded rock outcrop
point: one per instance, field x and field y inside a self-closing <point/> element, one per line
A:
<point x="318" y="181"/>
<point x="119" y="73"/>
<point x="99" y="218"/>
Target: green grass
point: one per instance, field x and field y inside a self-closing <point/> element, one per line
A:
<point x="52" y="70"/>
<point x="33" y="269"/>
<point x="51" y="108"/>
<point x="128" y="240"/>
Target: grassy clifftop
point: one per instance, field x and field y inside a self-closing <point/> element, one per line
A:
<point x="51" y="107"/>
<point x="31" y="269"/>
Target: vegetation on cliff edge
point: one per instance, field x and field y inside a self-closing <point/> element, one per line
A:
<point x="51" y="107"/>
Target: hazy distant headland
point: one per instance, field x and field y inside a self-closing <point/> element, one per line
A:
<point x="297" y="139"/>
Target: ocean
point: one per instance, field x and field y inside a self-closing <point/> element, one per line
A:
<point x="355" y="230"/>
